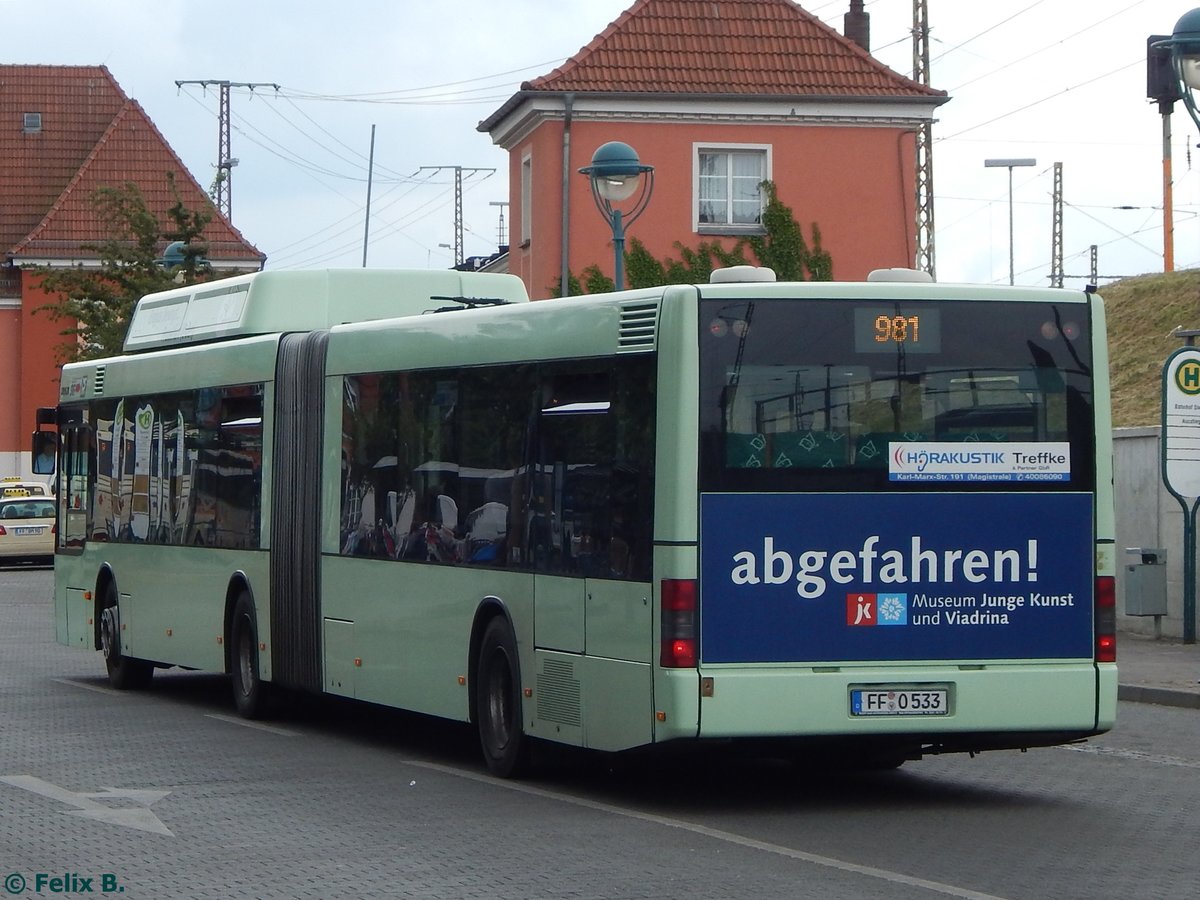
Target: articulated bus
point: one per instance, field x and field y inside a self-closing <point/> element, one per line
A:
<point x="862" y="521"/>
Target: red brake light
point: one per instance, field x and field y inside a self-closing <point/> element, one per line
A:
<point x="678" y="648"/>
<point x="1106" y="619"/>
<point x="2" y="531"/>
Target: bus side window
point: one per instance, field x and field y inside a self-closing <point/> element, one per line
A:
<point x="594" y="500"/>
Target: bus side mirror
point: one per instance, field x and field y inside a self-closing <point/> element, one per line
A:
<point x="44" y="452"/>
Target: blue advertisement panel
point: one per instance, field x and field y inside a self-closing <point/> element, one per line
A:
<point x="827" y="577"/>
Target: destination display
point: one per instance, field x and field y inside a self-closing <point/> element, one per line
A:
<point x="879" y="329"/>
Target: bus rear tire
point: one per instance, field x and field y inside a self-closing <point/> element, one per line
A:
<point x="124" y="672"/>
<point x="250" y="693"/>
<point x="498" y="702"/>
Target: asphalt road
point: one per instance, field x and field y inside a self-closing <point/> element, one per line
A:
<point x="167" y="794"/>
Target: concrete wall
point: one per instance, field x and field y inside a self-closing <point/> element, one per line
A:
<point x="1147" y="516"/>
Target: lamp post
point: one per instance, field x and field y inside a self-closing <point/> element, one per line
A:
<point x="1009" y="164"/>
<point x="1184" y="47"/>
<point x="616" y="175"/>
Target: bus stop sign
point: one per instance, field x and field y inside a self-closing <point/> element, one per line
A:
<point x="1181" y="423"/>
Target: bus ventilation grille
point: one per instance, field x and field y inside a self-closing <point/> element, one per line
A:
<point x="638" y="324"/>
<point x="558" y="693"/>
<point x="98" y="381"/>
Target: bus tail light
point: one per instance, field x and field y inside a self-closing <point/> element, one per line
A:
<point x="678" y="624"/>
<point x="1106" y="619"/>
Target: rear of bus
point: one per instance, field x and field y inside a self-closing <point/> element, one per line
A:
<point x="904" y="521"/>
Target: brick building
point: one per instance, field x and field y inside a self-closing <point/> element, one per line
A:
<point x="717" y="95"/>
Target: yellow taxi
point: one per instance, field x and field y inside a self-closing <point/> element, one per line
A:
<point x="26" y="529"/>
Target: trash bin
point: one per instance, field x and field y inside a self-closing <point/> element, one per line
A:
<point x="1146" y="582"/>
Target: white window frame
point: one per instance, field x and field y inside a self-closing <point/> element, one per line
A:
<point x="765" y="151"/>
<point x="526" y="197"/>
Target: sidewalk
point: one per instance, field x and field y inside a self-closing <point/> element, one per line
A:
<point x="1165" y="671"/>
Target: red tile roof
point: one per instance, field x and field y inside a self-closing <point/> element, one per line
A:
<point x="732" y="47"/>
<point x="91" y="135"/>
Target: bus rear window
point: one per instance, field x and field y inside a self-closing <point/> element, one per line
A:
<point x="851" y="395"/>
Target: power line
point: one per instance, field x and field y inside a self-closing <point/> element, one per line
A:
<point x="1059" y="42"/>
<point x="1013" y="112"/>
<point x="458" y="218"/>
<point x="988" y="30"/>
<point x="222" y="187"/>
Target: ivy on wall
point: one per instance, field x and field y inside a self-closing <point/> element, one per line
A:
<point x="782" y="247"/>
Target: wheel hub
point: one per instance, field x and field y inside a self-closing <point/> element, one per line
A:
<point x="109" y="642"/>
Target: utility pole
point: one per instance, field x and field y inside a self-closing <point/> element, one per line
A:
<point x="221" y="190"/>
<point x="501" y="231"/>
<point x="370" y="176"/>
<point x="1056" y="231"/>
<point x="458" y="218"/>
<point x="924" y="144"/>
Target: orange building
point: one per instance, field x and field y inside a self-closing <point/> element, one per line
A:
<point x="67" y="131"/>
<point x="717" y="96"/>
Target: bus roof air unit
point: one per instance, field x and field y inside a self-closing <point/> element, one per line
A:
<point x="276" y="302"/>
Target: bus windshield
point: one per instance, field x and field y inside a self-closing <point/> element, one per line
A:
<point x="858" y="396"/>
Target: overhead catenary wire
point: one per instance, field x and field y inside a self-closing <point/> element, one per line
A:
<point x="292" y="130"/>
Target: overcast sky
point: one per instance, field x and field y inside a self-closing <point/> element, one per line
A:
<point x="1054" y="80"/>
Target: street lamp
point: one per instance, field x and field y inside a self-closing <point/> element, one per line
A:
<point x="1184" y="47"/>
<point x="1009" y="164"/>
<point x="616" y="175"/>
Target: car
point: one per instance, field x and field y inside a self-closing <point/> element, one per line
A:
<point x="14" y="486"/>
<point x="26" y="529"/>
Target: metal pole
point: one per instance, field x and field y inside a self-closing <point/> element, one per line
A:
<point x="1189" y="574"/>
<point x="1168" y="201"/>
<point x="1010" y="164"/>
<point x="1010" y="226"/>
<point x="1189" y="554"/>
<point x="370" y="171"/>
<point x="618" y="230"/>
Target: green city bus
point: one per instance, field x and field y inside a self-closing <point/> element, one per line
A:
<point x="854" y="521"/>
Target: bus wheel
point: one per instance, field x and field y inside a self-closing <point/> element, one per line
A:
<point x="498" y="702"/>
<point x="124" y="672"/>
<point x="249" y="691"/>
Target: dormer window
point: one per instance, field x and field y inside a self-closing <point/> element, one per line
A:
<point x="33" y="122"/>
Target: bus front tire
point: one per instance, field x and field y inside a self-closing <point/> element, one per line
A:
<point x="124" y="672"/>
<point x="498" y="702"/>
<point x="250" y="693"/>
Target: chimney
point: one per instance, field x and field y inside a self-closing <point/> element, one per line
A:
<point x="857" y="25"/>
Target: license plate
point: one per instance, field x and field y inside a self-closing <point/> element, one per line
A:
<point x="26" y="530"/>
<point x="899" y="702"/>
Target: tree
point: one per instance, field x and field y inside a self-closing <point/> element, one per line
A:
<point x="96" y="303"/>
